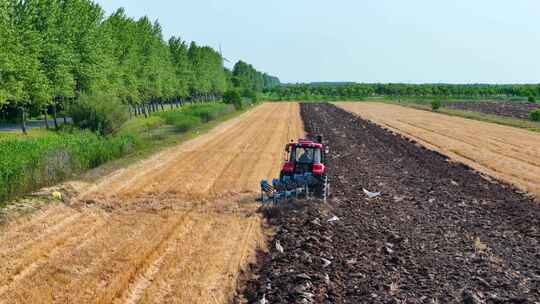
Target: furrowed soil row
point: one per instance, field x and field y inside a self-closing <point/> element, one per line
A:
<point x="519" y="110"/>
<point x="509" y="154"/>
<point x="176" y="228"/>
<point x="438" y="233"/>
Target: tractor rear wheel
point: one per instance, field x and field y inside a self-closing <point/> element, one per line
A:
<point x="326" y="187"/>
<point x="322" y="189"/>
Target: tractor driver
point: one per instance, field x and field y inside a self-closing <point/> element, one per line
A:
<point x="305" y="158"/>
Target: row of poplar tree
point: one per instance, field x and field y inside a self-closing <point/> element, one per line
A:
<point x="55" y="51"/>
<point x="404" y="89"/>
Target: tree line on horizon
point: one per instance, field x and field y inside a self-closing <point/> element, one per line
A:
<point x="55" y="53"/>
<point x="348" y="89"/>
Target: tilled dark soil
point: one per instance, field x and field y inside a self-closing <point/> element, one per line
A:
<point x="438" y="233"/>
<point x="519" y="110"/>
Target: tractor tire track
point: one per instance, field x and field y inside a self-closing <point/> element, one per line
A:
<point x="164" y="249"/>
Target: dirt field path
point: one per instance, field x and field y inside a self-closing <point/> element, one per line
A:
<point x="176" y="228"/>
<point x="510" y="154"/>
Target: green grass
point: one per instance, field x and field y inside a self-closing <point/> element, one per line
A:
<point x="30" y="163"/>
<point x="193" y="115"/>
<point x="156" y="139"/>
<point x="45" y="157"/>
<point x="32" y="133"/>
<point x="141" y="125"/>
<point x="182" y="120"/>
<point x="166" y="133"/>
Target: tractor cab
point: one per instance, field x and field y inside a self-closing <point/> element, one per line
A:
<point x="303" y="174"/>
<point x="304" y="156"/>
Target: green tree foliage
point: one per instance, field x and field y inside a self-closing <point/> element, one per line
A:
<point x="355" y="90"/>
<point x="233" y="97"/>
<point x="436" y="104"/>
<point x="252" y="95"/>
<point x="54" y="52"/>
<point x="535" y="115"/>
<point x="100" y="113"/>
<point x="11" y="83"/>
<point x="531" y="99"/>
<point x="245" y="76"/>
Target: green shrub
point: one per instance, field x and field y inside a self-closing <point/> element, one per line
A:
<point x="436" y="104"/>
<point x="191" y="116"/>
<point x="233" y="97"/>
<point x="535" y="115"/>
<point x="100" y="113"/>
<point x="532" y="99"/>
<point x="30" y="163"/>
<point x="141" y="124"/>
<point x="208" y="112"/>
<point x="185" y="123"/>
<point x="251" y="95"/>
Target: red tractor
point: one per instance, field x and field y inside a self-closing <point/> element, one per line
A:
<point x="303" y="174"/>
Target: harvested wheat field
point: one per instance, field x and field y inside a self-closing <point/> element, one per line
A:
<point x="176" y="228"/>
<point x="507" y="153"/>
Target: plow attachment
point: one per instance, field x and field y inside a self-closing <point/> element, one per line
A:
<point x="290" y="187"/>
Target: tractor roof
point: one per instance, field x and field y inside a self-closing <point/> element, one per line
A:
<point x="304" y="143"/>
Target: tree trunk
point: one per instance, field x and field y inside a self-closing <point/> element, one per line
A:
<point x="63" y="103"/>
<point x="55" y="118"/>
<point x="145" y="111"/>
<point x="46" y="119"/>
<point x="23" y="121"/>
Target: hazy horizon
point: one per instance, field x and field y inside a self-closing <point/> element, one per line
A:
<point x="389" y="41"/>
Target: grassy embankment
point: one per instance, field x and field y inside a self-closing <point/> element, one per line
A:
<point x="44" y="157"/>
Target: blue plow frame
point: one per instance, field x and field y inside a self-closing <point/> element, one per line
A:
<point x="287" y="188"/>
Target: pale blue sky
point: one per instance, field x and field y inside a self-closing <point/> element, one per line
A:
<point x="453" y="41"/>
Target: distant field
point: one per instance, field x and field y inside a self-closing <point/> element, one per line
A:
<point x="508" y="113"/>
<point x="507" y="153"/>
<point x="520" y="110"/>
